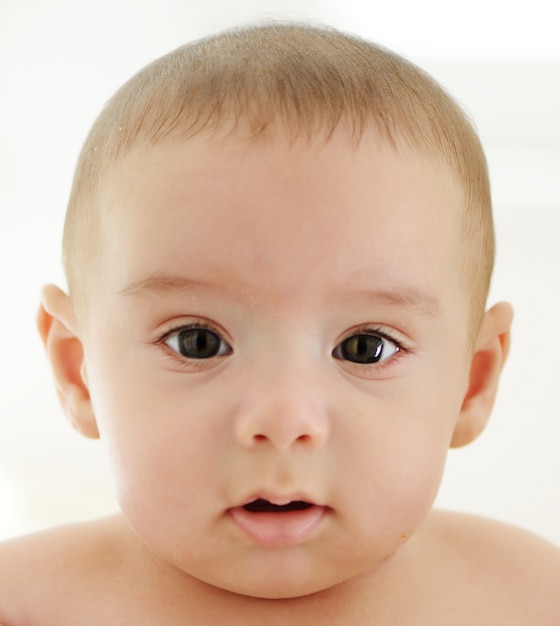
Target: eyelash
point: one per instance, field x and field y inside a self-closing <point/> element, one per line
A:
<point x="364" y="368"/>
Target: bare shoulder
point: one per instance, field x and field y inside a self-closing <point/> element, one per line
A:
<point x="515" y="570"/>
<point x="37" y="571"/>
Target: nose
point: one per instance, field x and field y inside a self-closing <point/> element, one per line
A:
<point x="283" y="414"/>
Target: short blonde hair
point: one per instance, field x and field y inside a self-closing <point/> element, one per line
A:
<point x="311" y="79"/>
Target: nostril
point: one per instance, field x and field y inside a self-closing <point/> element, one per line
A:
<point x="281" y="428"/>
<point x="303" y="439"/>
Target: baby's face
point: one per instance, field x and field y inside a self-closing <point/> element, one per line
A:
<point x="276" y="350"/>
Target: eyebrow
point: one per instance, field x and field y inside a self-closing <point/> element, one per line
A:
<point x="162" y="283"/>
<point x="406" y="297"/>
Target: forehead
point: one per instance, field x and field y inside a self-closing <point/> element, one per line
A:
<point x="277" y="216"/>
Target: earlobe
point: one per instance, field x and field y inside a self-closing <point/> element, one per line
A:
<point x="55" y="322"/>
<point x="490" y="354"/>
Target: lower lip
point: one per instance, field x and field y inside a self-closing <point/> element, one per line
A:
<point x="278" y="529"/>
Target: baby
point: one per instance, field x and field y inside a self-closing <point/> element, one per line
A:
<point x="278" y="248"/>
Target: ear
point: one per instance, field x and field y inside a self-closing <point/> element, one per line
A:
<point x="56" y="326"/>
<point x="490" y="354"/>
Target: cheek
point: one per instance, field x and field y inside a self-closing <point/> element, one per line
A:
<point x="403" y="473"/>
<point x="157" y="439"/>
<point x="416" y="475"/>
<point x="398" y="454"/>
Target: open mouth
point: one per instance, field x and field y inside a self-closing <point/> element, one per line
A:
<point x="268" y="524"/>
<point x="264" y="506"/>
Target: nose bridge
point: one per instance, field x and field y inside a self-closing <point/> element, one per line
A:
<point x="284" y="405"/>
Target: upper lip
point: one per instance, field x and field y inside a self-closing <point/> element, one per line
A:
<point x="277" y="498"/>
<point x="264" y="506"/>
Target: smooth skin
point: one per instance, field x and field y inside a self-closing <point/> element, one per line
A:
<point x="219" y="355"/>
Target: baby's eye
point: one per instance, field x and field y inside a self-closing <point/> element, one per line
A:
<point x="197" y="343"/>
<point x="365" y="348"/>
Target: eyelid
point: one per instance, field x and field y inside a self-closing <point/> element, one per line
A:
<point x="177" y="327"/>
<point x="376" y="331"/>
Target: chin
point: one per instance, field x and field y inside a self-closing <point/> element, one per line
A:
<point x="280" y="583"/>
<point x="278" y="592"/>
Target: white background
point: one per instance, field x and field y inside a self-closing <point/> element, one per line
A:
<point x="59" y="62"/>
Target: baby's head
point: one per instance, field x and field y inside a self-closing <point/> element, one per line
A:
<point x="278" y="247"/>
<point x="302" y="82"/>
